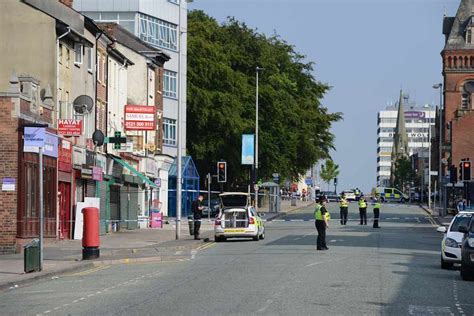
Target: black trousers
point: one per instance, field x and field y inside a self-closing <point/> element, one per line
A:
<point x="376" y="217"/>
<point x="344" y="212"/>
<point x="321" y="228"/>
<point x="197" y="227"/>
<point x="363" y="215"/>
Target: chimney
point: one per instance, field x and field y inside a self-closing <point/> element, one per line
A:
<point x="67" y="2"/>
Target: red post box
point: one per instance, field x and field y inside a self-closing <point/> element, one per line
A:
<point x="90" y="236"/>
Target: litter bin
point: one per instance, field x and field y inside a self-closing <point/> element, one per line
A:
<point x="191" y="224"/>
<point x="293" y="201"/>
<point x="31" y="256"/>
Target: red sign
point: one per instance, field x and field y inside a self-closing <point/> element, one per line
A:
<point x="140" y="118"/>
<point x="70" y="127"/>
<point x="65" y="155"/>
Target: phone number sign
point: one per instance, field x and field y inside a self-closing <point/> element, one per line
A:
<point x="140" y="118"/>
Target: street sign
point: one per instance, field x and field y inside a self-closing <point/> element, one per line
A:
<point x="158" y="182"/>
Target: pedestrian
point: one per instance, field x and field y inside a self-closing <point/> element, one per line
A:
<point x="376" y="212"/>
<point x="344" y="205"/>
<point x="363" y="211"/>
<point x="197" y="208"/>
<point x="321" y="222"/>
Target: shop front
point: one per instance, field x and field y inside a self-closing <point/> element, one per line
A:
<point x="64" y="189"/>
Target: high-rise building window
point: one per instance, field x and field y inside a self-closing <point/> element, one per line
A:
<point x="169" y="132"/>
<point x="170" y="84"/>
<point x="174" y="1"/>
<point x="125" y="19"/>
<point x="158" y="32"/>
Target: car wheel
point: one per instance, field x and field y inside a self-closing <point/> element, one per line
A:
<point x="256" y="238"/>
<point x="402" y="200"/>
<point x="262" y="236"/>
<point x="218" y="238"/>
<point x="445" y="265"/>
<point x="466" y="274"/>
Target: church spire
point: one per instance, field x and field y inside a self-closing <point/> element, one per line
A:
<point x="400" y="138"/>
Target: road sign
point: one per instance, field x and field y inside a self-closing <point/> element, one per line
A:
<point x="158" y="182"/>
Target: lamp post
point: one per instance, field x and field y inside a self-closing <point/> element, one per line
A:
<point x="257" y="70"/>
<point x="440" y="143"/>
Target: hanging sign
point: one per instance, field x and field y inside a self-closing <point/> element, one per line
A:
<point x="140" y="118"/>
<point x="248" y="149"/>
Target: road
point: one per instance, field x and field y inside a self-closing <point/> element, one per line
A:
<point x="392" y="271"/>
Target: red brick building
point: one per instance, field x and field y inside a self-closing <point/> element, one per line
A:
<point x="458" y="72"/>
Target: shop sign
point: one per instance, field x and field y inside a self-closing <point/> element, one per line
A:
<point x="140" y="118"/>
<point x="78" y="157"/>
<point x="50" y="147"/>
<point x="101" y="161"/>
<point x="97" y="173"/>
<point x="8" y="184"/>
<point x="34" y="136"/>
<point x="65" y="155"/>
<point x="86" y="173"/>
<point x="70" y="127"/>
<point x="90" y="158"/>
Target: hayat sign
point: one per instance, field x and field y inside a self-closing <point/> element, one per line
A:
<point x="70" y="127"/>
<point x="140" y="118"/>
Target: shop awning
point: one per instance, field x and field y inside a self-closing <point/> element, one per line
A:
<point x="135" y="172"/>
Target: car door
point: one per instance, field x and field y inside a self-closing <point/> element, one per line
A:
<point x="388" y="194"/>
<point x="258" y="220"/>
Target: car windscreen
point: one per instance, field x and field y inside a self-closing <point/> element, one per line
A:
<point x="461" y="220"/>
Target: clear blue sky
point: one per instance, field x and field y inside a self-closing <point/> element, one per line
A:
<point x="365" y="49"/>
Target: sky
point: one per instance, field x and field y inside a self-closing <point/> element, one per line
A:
<point x="366" y="50"/>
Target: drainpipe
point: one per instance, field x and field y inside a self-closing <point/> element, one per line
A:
<point x="57" y="117"/>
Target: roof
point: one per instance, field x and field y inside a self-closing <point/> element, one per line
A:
<point x="188" y="168"/>
<point x="456" y="26"/>
<point x="129" y="40"/>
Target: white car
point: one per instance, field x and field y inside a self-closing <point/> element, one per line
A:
<point x="451" y="243"/>
<point x="237" y="218"/>
<point x="349" y="194"/>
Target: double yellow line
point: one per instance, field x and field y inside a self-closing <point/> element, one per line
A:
<point x="432" y="221"/>
<point x="206" y="245"/>
<point x="86" y="272"/>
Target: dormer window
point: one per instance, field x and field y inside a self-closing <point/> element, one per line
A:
<point x="468" y="30"/>
<point x="469" y="36"/>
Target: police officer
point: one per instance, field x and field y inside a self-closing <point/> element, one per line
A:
<point x="376" y="212"/>
<point x="197" y="208"/>
<point x="321" y="222"/>
<point x="343" y="205"/>
<point x="363" y="211"/>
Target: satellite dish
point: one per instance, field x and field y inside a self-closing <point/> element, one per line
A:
<point x="98" y="137"/>
<point x="83" y="103"/>
<point x="469" y="86"/>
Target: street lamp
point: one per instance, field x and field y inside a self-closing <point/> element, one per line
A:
<point x="257" y="70"/>
<point x="440" y="111"/>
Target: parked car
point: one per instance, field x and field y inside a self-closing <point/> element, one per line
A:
<point x="349" y="194"/>
<point x="330" y="196"/>
<point x="215" y="204"/>
<point x="237" y="218"/>
<point x="467" y="251"/>
<point x="451" y="243"/>
<point x="391" y="195"/>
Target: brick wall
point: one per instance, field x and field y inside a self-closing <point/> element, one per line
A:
<point x="8" y="169"/>
<point x="463" y="138"/>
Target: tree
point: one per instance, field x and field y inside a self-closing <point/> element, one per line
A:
<point x="329" y="171"/>
<point x="294" y="128"/>
<point x="403" y="173"/>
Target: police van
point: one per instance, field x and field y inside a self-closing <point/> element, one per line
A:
<point x="391" y="195"/>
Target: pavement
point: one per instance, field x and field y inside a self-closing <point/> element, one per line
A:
<point x="394" y="270"/>
<point x="124" y="247"/>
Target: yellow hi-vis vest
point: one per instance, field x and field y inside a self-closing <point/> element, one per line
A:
<point x="377" y="204"/>
<point x="317" y="213"/>
<point x="343" y="203"/>
<point x="362" y="204"/>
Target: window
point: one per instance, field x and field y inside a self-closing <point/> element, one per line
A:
<point x="465" y="101"/>
<point x="101" y="68"/>
<point x="469" y="36"/>
<point x="90" y="62"/>
<point x="170" y="84"/>
<point x="157" y="32"/>
<point x="77" y="54"/>
<point x="68" y="58"/>
<point x="169" y="132"/>
<point x="60" y="54"/>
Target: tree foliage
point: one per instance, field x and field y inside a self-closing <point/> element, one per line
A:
<point x="329" y="171"/>
<point x="403" y="173"/>
<point x="294" y="128"/>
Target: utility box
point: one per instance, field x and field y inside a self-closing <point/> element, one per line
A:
<point x="31" y="254"/>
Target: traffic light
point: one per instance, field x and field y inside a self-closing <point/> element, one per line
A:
<point x="465" y="170"/>
<point x="453" y="174"/>
<point x="221" y="171"/>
